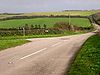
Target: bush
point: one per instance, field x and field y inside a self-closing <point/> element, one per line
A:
<point x="62" y="26"/>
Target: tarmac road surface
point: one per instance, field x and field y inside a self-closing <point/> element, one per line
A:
<point x="42" y="56"/>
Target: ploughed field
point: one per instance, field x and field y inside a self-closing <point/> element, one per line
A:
<point x="49" y="22"/>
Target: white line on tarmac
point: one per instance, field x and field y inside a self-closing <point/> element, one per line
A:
<point x="33" y="53"/>
<point x="56" y="44"/>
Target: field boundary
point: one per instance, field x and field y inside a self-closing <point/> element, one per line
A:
<point x="30" y="17"/>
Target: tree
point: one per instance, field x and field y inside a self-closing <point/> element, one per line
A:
<point x="36" y="26"/>
<point x="32" y="26"/>
<point x="39" y="26"/>
<point x="26" y="27"/>
<point x="44" y="26"/>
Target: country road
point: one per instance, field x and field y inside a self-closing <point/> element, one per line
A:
<point x="42" y="56"/>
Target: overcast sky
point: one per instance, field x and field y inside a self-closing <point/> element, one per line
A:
<point x="47" y="5"/>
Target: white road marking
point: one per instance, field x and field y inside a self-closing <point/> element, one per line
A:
<point x="56" y="44"/>
<point x="33" y="53"/>
<point x="10" y="62"/>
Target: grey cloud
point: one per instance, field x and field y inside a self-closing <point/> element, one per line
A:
<point x="46" y="5"/>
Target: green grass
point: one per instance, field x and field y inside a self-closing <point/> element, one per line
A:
<point x="81" y="22"/>
<point x="88" y="60"/>
<point x="4" y="44"/>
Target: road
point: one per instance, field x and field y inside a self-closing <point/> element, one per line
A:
<point x="96" y="27"/>
<point x="42" y="56"/>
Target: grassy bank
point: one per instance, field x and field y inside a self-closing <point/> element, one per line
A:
<point x="88" y="60"/>
<point x="4" y="44"/>
<point x="81" y="22"/>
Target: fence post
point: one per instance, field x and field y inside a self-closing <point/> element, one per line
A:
<point x="23" y="31"/>
<point x="72" y="28"/>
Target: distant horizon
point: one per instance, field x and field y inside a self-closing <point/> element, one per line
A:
<point x="48" y="11"/>
<point x="27" y="6"/>
<point x="55" y="11"/>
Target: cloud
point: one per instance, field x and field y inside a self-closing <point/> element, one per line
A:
<point x="46" y="5"/>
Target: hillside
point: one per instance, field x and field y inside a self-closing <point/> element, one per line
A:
<point x="95" y="18"/>
<point x="64" y="13"/>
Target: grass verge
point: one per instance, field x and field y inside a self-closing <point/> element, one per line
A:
<point x="88" y="60"/>
<point x="4" y="44"/>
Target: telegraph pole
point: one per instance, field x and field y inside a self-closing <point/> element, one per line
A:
<point x="69" y="19"/>
<point x="69" y="22"/>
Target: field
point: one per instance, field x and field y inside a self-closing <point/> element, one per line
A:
<point x="66" y="13"/>
<point x="5" y="16"/>
<point x="73" y="13"/>
<point x="81" y="22"/>
<point x="88" y="60"/>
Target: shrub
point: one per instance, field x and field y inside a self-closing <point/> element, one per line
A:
<point x="62" y="26"/>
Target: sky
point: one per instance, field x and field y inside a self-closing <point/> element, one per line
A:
<point x="20" y="6"/>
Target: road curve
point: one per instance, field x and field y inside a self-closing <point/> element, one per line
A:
<point x="42" y="56"/>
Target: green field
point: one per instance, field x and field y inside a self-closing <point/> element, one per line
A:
<point x="73" y="13"/>
<point x="81" y="22"/>
<point x="88" y="60"/>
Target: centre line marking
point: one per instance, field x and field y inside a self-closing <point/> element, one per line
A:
<point x="33" y="53"/>
<point x="56" y="44"/>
